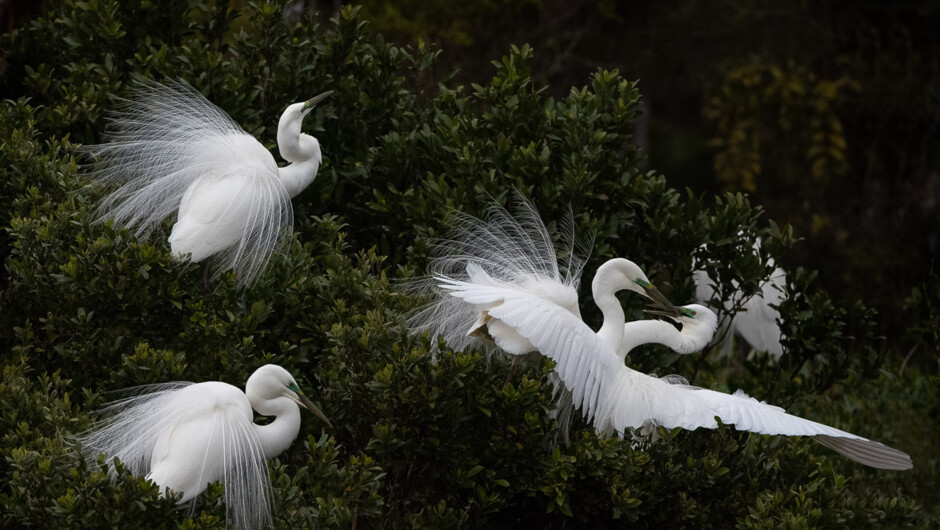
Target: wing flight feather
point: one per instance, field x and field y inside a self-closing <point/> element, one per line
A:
<point x="581" y="356"/>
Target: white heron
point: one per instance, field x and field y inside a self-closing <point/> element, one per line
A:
<point x="184" y="436"/>
<point x="756" y="322"/>
<point x="172" y="150"/>
<point x="499" y="278"/>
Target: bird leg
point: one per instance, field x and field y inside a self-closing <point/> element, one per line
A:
<point x="205" y="277"/>
<point x="512" y="370"/>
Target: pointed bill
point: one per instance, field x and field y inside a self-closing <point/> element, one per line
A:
<point x="310" y="103"/>
<point x="668" y="314"/>
<point x="305" y="401"/>
<point x="660" y="304"/>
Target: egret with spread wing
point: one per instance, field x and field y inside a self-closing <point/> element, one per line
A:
<point x="171" y="150"/>
<point x="500" y="276"/>
<point x="518" y="251"/>
<point x="184" y="436"/>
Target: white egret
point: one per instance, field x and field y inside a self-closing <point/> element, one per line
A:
<point x="173" y="150"/>
<point x="184" y="436"/>
<point x="501" y="274"/>
<point x="756" y="321"/>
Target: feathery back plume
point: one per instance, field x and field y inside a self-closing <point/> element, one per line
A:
<point x="511" y="249"/>
<point x="132" y="428"/>
<point x="168" y="145"/>
<point x="156" y="140"/>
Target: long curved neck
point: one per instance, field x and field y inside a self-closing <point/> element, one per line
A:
<point x="611" y="330"/>
<point x="656" y="332"/>
<point x="277" y="436"/>
<point x="297" y="176"/>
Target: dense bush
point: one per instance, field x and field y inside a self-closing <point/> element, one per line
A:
<point x="88" y="309"/>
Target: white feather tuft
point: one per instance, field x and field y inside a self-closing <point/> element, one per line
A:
<point x="516" y="251"/>
<point x="131" y="424"/>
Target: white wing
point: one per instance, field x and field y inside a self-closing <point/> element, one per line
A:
<point x="555" y="332"/>
<point x="638" y="398"/>
<point x="183" y="438"/>
<point x="609" y="393"/>
<point x="165" y="141"/>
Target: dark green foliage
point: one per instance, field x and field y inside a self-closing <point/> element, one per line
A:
<point x="420" y="439"/>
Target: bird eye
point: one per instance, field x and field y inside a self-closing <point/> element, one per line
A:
<point x="693" y="312"/>
<point x="293" y="387"/>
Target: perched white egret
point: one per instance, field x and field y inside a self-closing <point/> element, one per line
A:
<point x="756" y="322"/>
<point x="184" y="436"/>
<point x="173" y="150"/>
<point x="501" y="274"/>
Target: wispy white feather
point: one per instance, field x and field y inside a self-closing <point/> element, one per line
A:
<point x="511" y="250"/>
<point x="140" y="430"/>
<point x="166" y="139"/>
<point x="515" y="250"/>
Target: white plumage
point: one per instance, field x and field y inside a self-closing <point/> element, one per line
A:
<point x="756" y="322"/>
<point x="184" y="436"/>
<point x="473" y="287"/>
<point x="171" y="150"/>
<point x="506" y="250"/>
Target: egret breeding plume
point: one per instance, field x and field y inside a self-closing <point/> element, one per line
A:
<point x="756" y="322"/>
<point x="171" y="150"/>
<point x="501" y="279"/>
<point x="184" y="436"/>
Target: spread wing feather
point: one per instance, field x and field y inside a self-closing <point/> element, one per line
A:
<point x="581" y="357"/>
<point x="515" y="251"/>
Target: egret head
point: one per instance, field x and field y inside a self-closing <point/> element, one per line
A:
<point x="696" y="320"/>
<point x="271" y="382"/>
<point x="295" y="113"/>
<point x="308" y="105"/>
<point x="619" y="274"/>
<point x="293" y="145"/>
